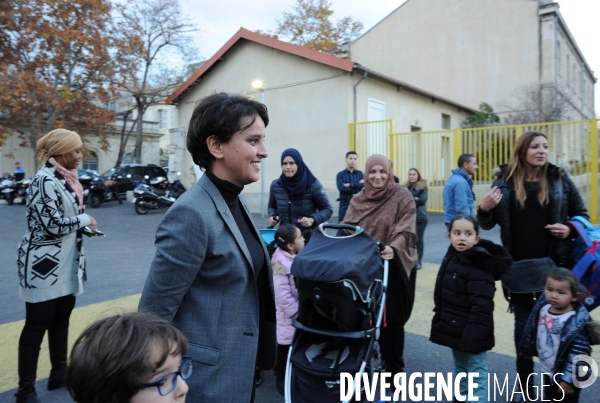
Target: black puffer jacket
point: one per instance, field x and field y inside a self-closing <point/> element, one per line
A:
<point x="419" y="192"/>
<point x="314" y="204"/>
<point x="464" y="297"/>
<point x="571" y="205"/>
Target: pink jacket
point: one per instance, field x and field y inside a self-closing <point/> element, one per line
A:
<point x="286" y="299"/>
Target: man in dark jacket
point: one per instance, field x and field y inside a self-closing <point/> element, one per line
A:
<point x="349" y="182"/>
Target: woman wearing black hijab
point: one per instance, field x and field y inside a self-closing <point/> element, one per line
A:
<point x="297" y="197"/>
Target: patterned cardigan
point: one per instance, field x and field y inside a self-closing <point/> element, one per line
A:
<point x="50" y="257"/>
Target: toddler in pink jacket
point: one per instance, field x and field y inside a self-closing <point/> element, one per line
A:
<point x="289" y="242"/>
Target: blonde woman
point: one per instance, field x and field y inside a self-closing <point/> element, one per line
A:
<point x="50" y="258"/>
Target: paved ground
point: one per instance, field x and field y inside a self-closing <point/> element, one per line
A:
<point x="117" y="268"/>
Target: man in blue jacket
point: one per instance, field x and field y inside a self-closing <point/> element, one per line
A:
<point x="349" y="182"/>
<point x="458" y="192"/>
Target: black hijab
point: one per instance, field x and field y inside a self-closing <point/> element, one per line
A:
<point x="303" y="179"/>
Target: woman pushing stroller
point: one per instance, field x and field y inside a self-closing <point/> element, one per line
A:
<point x="387" y="211"/>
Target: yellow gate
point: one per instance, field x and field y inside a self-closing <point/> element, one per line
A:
<point x="573" y="144"/>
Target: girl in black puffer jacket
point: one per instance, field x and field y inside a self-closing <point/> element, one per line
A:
<point x="464" y="299"/>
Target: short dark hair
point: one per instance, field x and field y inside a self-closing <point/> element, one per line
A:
<point x="562" y="274"/>
<point x="462" y="216"/>
<point x="110" y="359"/>
<point x="464" y="158"/>
<point x="349" y="153"/>
<point x="221" y="115"/>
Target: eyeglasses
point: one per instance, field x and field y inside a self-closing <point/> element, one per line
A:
<point x="167" y="383"/>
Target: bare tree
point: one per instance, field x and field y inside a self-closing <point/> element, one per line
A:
<point x="158" y="47"/>
<point x="538" y="104"/>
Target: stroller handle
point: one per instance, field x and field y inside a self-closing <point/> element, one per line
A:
<point x="356" y="228"/>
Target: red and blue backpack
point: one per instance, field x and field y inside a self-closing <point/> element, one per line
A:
<point x="586" y="252"/>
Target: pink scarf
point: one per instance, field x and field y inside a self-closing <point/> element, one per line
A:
<point x="72" y="179"/>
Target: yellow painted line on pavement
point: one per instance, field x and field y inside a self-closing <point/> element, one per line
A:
<point x="419" y="323"/>
<point x="80" y="319"/>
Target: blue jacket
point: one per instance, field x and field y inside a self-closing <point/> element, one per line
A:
<point x="314" y="204"/>
<point x="458" y="196"/>
<point x="573" y="340"/>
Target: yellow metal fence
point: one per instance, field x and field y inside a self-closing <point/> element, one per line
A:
<point x="572" y="144"/>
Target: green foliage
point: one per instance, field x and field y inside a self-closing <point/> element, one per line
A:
<point x="484" y="117"/>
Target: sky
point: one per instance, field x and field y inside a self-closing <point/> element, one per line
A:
<point x="219" y="20"/>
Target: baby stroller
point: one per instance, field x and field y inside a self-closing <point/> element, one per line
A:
<point x="341" y="281"/>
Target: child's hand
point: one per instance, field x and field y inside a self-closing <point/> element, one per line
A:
<point x="567" y="387"/>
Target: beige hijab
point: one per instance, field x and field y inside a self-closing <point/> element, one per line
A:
<point x="57" y="142"/>
<point x="388" y="214"/>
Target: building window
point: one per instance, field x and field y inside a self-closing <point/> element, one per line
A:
<point x="162" y="119"/>
<point x="91" y="162"/>
<point x="445" y="121"/>
<point x="173" y="117"/>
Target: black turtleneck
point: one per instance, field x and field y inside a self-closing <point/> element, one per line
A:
<point x="230" y="193"/>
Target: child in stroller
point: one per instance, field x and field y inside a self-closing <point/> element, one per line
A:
<point x="341" y="284"/>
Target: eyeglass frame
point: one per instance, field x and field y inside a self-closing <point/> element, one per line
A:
<point x="184" y="361"/>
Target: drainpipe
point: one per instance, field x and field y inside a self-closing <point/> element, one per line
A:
<point x="556" y="62"/>
<point x="356" y="85"/>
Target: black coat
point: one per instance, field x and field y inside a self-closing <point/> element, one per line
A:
<point x="571" y="205"/>
<point x="464" y="297"/>
<point x="419" y="193"/>
<point x="314" y="204"/>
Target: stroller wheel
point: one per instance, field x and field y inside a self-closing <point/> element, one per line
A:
<point x="258" y="377"/>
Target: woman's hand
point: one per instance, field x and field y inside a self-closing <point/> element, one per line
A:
<point x="93" y="224"/>
<point x="273" y="220"/>
<point x="567" y="387"/>
<point x="560" y="231"/>
<point x="306" y="221"/>
<point x="491" y="198"/>
<point x="387" y="253"/>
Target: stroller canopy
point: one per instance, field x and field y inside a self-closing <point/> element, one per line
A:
<point x="356" y="258"/>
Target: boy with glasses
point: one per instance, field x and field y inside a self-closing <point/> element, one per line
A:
<point x="133" y="358"/>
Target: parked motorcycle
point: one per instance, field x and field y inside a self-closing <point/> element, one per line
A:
<point x="7" y="184"/>
<point x="21" y="188"/>
<point x="102" y="191"/>
<point x="152" y="194"/>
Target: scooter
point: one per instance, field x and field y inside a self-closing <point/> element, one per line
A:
<point x="152" y="194"/>
<point x="7" y="184"/>
<point x="102" y="191"/>
<point x="22" y="187"/>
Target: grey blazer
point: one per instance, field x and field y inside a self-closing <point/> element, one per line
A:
<point x="202" y="279"/>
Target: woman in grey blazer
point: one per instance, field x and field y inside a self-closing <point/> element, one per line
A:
<point x="211" y="274"/>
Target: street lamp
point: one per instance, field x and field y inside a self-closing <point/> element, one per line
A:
<point x="258" y="85"/>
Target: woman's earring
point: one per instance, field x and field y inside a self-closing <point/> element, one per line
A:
<point x="64" y="159"/>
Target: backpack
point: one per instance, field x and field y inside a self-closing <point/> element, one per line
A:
<point x="587" y="268"/>
<point x="580" y="246"/>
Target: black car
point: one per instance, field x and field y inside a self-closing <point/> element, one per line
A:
<point x="118" y="180"/>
